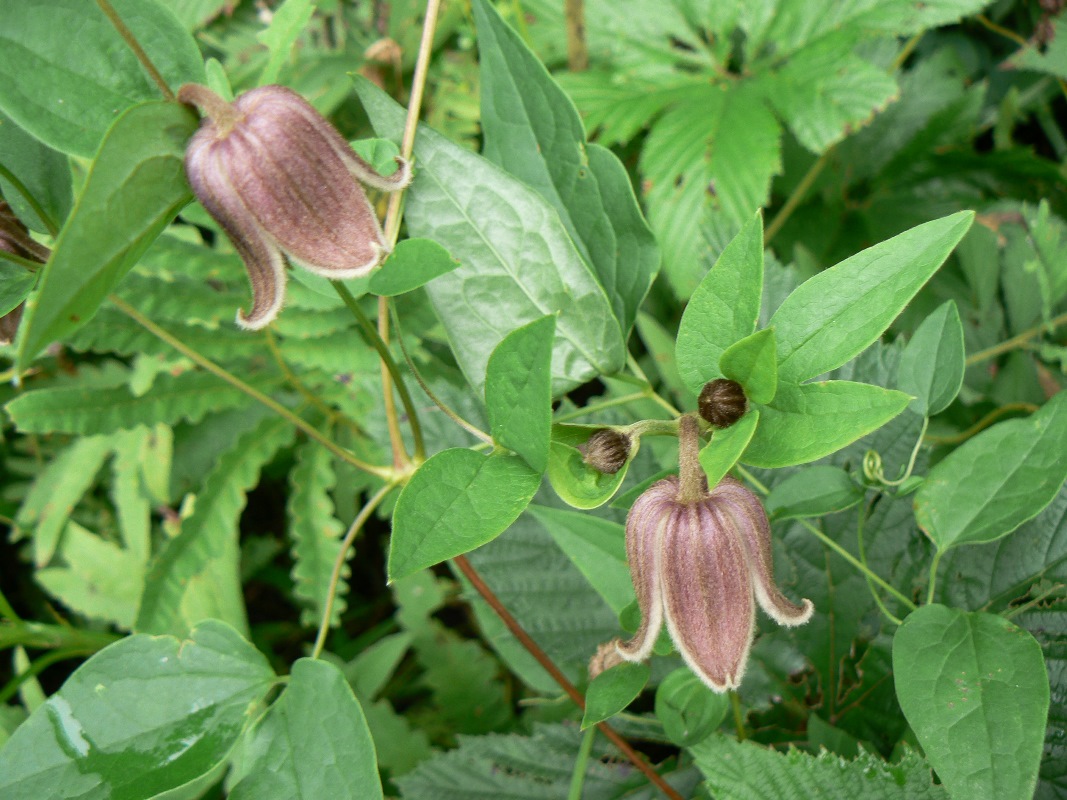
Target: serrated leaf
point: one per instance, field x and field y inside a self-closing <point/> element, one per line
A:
<point x="812" y="420"/>
<point x="746" y="769"/>
<point x="531" y="129"/>
<point x="314" y="742"/>
<point x="552" y="600"/>
<point x="753" y="362"/>
<point x="723" y="309"/>
<point x="413" y="263"/>
<point x="932" y="365"/>
<point x="517" y="262"/>
<point x="579" y="484"/>
<point x="715" y="152"/>
<point x="196" y="575"/>
<point x="813" y="492"/>
<point x="596" y="547"/>
<point x="315" y="533"/>
<point x="456" y="501"/>
<point x="57" y="489"/>
<point x="68" y="96"/>
<point x="42" y="171"/>
<point x="835" y="315"/>
<point x="100" y="580"/>
<point x="514" y="767"/>
<point x="996" y="480"/>
<point x="727" y="445"/>
<point x="613" y="690"/>
<point x="172" y="398"/>
<point x="825" y="92"/>
<point x="518" y="391"/>
<point x="184" y="703"/>
<point x="137" y="183"/>
<point x="975" y="691"/>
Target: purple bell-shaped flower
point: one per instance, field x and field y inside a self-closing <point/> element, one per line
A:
<point x="701" y="561"/>
<point x="280" y="179"/>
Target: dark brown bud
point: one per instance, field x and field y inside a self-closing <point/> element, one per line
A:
<point x="606" y="450"/>
<point x="722" y="402"/>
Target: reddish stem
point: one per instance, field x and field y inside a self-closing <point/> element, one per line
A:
<point x="542" y="658"/>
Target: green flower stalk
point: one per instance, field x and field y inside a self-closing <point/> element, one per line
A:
<point x="700" y="561"/>
<point x="280" y="179"/>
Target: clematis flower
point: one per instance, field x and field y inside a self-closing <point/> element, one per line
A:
<point x="701" y="561"/>
<point x="280" y="179"/>
<point x="15" y="238"/>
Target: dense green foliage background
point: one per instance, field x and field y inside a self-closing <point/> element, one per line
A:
<point x="145" y="494"/>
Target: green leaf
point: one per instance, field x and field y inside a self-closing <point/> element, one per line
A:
<point x="549" y="596"/>
<point x="86" y="410"/>
<point x="996" y="480"/>
<point x="613" y="690"/>
<point x="597" y="547"/>
<point x="517" y="262"/>
<point x="974" y="689"/>
<point x="723" y="309"/>
<point x="456" y="501"/>
<point x="932" y="365"/>
<point x="746" y="769"/>
<point x="1049" y="56"/>
<point x="753" y="362"/>
<point x="314" y="742"/>
<point x="413" y="263"/>
<point x="825" y="92"/>
<point x="726" y="447"/>
<point x="532" y="130"/>
<point x="15" y="285"/>
<point x="514" y="767"/>
<point x="689" y="710"/>
<point x="518" y="391"/>
<point x="196" y="575"/>
<point x="578" y="484"/>
<point x="100" y="579"/>
<point x="69" y="96"/>
<point x="835" y="315"/>
<point x="714" y="153"/>
<point x="316" y="535"/>
<point x="59" y="487"/>
<point x="813" y="492"/>
<point x="807" y="422"/>
<point x="371" y="670"/>
<point x="137" y="184"/>
<point x="379" y="153"/>
<point x="287" y="21"/>
<point x="143" y="716"/>
<point x="42" y="171"/>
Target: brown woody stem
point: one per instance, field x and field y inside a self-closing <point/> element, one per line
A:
<point x="571" y="690"/>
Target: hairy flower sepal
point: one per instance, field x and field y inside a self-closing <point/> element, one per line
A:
<point x="280" y="179"/>
<point x="700" y="561"/>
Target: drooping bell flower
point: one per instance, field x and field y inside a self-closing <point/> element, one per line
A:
<point x="280" y="179"/>
<point x="15" y="238"/>
<point x="701" y="561"/>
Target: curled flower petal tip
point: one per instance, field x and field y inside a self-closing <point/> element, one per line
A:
<point x="283" y="183"/>
<point x="701" y="565"/>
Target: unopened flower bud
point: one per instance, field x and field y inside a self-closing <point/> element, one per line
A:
<point x="280" y="179"/>
<point x="722" y="402"/>
<point x="606" y="450"/>
<point x="15" y="239"/>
